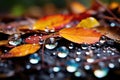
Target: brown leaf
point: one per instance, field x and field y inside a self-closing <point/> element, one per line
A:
<point x="21" y="50"/>
<point x="80" y="35"/>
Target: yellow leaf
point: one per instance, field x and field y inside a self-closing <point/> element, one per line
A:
<point x="89" y="22"/>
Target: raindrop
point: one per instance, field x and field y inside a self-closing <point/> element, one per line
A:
<point x="78" y="51"/>
<point x="28" y="66"/>
<point x="112" y="24"/>
<point x="56" y="69"/>
<point x="100" y="73"/>
<point x="77" y="73"/>
<point x="72" y="65"/>
<point x="41" y="41"/>
<point x="87" y="67"/>
<point x="51" y="43"/>
<point x="71" y="46"/>
<point x="111" y="65"/>
<point x="84" y="46"/>
<point x="46" y="29"/>
<point x="62" y="52"/>
<point x="90" y="60"/>
<point x="34" y="58"/>
<point x="15" y="42"/>
<point x="77" y="59"/>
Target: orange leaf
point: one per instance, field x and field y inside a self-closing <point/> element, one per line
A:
<point x="52" y="22"/>
<point x="21" y="50"/>
<point x="80" y="35"/>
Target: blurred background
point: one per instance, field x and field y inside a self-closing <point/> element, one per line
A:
<point x="38" y="8"/>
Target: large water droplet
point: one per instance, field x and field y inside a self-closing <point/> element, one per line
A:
<point x="62" y="52"/>
<point x="34" y="58"/>
<point x="51" y="43"/>
<point x="100" y="73"/>
<point x="15" y="42"/>
<point x="72" y="65"/>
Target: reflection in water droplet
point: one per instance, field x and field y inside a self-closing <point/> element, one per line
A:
<point x="62" y="52"/>
<point x="72" y="65"/>
<point x="100" y="73"/>
<point x="34" y="58"/>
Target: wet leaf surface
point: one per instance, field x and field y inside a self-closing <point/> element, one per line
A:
<point x="80" y="35"/>
<point x="52" y="22"/>
<point x="21" y="50"/>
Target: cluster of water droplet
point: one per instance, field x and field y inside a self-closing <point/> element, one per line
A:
<point x="62" y="58"/>
<point x="76" y="59"/>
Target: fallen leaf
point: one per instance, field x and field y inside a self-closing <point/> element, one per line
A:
<point x="80" y="35"/>
<point x="52" y="22"/>
<point x="77" y="8"/>
<point x="32" y="39"/>
<point x="89" y="22"/>
<point x="3" y="42"/>
<point x="21" y="50"/>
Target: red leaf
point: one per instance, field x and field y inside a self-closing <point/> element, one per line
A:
<point x="80" y="35"/>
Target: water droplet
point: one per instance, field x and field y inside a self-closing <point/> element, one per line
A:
<point x="84" y="46"/>
<point x="77" y="73"/>
<point x="34" y="58"/>
<point x="62" y="52"/>
<point x="52" y="30"/>
<point x="77" y="59"/>
<point x="41" y="41"/>
<point x="90" y="60"/>
<point x="72" y="65"/>
<point x="112" y="24"/>
<point x="46" y="29"/>
<point x="56" y="69"/>
<point x="102" y="41"/>
<point x="78" y="51"/>
<point x="100" y="73"/>
<point x="51" y="43"/>
<point x="15" y="42"/>
<point x="87" y="67"/>
<point x="119" y="60"/>
<point x="111" y="65"/>
<point x="28" y="66"/>
<point x="71" y="46"/>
